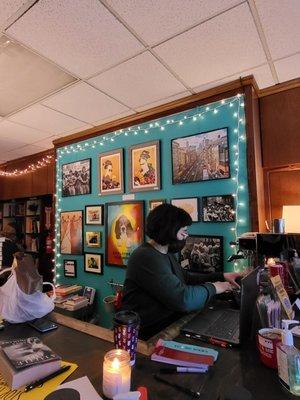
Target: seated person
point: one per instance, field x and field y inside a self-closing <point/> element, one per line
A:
<point x="156" y="286"/>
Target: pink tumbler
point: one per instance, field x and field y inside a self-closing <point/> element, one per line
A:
<point x="126" y="327"/>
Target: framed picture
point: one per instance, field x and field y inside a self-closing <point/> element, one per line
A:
<point x="111" y="179"/>
<point x="218" y="208"/>
<point x="70" y="268"/>
<point x="144" y="170"/>
<point x="93" y="262"/>
<point x="190" y="205"/>
<point x="93" y="239"/>
<point x="155" y="203"/>
<point x="76" y="178"/>
<point x="94" y="215"/>
<point x="203" y="254"/>
<point x="71" y="232"/>
<point x="124" y="230"/>
<point x="201" y="157"/>
<point x="33" y="207"/>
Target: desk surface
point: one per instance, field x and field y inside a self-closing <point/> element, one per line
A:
<point x="234" y="367"/>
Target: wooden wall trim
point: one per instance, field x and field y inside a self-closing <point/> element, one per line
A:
<point x="280" y="87"/>
<point x="11" y="165"/>
<point x="211" y="95"/>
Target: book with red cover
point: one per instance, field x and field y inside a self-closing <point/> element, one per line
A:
<point x="183" y="358"/>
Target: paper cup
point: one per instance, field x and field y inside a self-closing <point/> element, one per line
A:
<point x="267" y="342"/>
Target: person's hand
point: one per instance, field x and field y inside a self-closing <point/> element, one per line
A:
<point x="231" y="277"/>
<point x="222" y="287"/>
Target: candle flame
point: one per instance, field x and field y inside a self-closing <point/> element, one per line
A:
<point x="116" y="363"/>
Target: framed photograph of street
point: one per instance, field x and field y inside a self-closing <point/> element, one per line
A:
<point x="76" y="178"/>
<point x="201" y="157"/>
<point x="218" y="208"/>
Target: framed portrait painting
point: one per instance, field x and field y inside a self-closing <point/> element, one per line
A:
<point x="203" y="254"/>
<point x="124" y="230"/>
<point x="93" y="239"/>
<point x="93" y="262"/>
<point x="190" y="205"/>
<point x="144" y="170"/>
<point x="76" y="178"/>
<point x="155" y="203"/>
<point x="201" y="157"/>
<point x="111" y="172"/>
<point x="70" y="268"/>
<point x="94" y="215"/>
<point x="218" y="208"/>
<point x="71" y="232"/>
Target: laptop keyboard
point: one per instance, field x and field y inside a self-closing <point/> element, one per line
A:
<point x="225" y="326"/>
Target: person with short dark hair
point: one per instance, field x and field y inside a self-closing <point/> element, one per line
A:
<point x="156" y="286"/>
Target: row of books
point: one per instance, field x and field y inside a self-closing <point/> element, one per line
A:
<point x="184" y="355"/>
<point x="73" y="303"/>
<point x="32" y="225"/>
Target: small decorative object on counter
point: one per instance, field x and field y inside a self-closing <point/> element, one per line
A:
<point x="116" y="373"/>
<point x="126" y="327"/>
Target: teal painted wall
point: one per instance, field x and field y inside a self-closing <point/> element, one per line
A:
<point x="228" y="113"/>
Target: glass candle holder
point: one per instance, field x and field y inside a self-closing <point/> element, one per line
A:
<point x="116" y="373"/>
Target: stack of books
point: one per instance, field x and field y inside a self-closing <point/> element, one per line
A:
<point x="65" y="292"/>
<point x="23" y="361"/>
<point x="76" y="302"/>
<point x="184" y="355"/>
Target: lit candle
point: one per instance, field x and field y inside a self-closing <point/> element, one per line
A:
<point x="116" y="373"/>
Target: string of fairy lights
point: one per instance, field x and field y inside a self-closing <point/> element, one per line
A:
<point x="30" y="168"/>
<point x="198" y="114"/>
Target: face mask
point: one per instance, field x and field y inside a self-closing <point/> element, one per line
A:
<point x="176" y="246"/>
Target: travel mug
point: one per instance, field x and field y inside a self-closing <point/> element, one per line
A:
<point x="278" y="225"/>
<point x="126" y="327"/>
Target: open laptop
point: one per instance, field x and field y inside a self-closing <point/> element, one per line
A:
<point x="220" y="325"/>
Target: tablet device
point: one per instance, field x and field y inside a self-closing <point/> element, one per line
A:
<point x="42" y="325"/>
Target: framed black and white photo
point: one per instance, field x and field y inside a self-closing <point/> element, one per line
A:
<point x="94" y="215"/>
<point x="203" y="254"/>
<point x="70" y="268"/>
<point x="93" y="262"/>
<point x="76" y="178"/>
<point x="93" y="239"/>
<point x="201" y="157"/>
<point x="190" y="205"/>
<point x="218" y="208"/>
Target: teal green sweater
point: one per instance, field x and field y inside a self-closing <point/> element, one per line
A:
<point x="158" y="289"/>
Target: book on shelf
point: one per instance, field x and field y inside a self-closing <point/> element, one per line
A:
<point x="89" y="293"/>
<point x="23" y="361"/>
<point x="183" y="355"/>
<point x="62" y="290"/>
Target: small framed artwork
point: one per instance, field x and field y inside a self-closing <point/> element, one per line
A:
<point x="144" y="166"/>
<point x="76" y="178"/>
<point x="94" y="215"/>
<point x="93" y="262"/>
<point x="201" y="157"/>
<point x="190" y="205"/>
<point x="93" y="239"/>
<point x="124" y="230"/>
<point x="218" y="208"/>
<point x="203" y="254"/>
<point x="71" y="232"/>
<point x="70" y="268"/>
<point x="33" y="207"/>
<point x="111" y="179"/>
<point x="155" y="203"/>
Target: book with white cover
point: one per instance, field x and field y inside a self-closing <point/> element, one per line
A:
<point x="81" y="387"/>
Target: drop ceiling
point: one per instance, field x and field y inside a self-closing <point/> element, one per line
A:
<point x="69" y="65"/>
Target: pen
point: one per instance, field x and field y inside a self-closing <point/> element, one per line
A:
<point x="179" y="387"/>
<point x="47" y="378"/>
<point x="182" y="369"/>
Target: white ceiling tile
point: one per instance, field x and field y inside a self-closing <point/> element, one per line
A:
<point x="25" y="151"/>
<point x="218" y="48"/>
<point x="9" y="144"/>
<point x="280" y="22"/>
<point x="138" y="81"/>
<point x="288" y="68"/>
<point x="114" y="117"/>
<point x="80" y="35"/>
<point x="9" y="8"/>
<point x="164" y="101"/>
<point x="12" y="130"/>
<point x="157" y="20"/>
<point x="46" y="143"/>
<point x="85" y="103"/>
<point x="43" y="118"/>
<point x="26" y="77"/>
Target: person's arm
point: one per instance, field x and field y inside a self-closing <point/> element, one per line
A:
<point x="194" y="278"/>
<point x="157" y="279"/>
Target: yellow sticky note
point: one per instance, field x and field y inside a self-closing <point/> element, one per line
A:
<point x="38" y="393"/>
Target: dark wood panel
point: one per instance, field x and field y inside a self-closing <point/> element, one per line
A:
<point x="280" y="126"/>
<point x="283" y="188"/>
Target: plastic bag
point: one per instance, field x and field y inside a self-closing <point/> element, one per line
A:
<point x="21" y="297"/>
